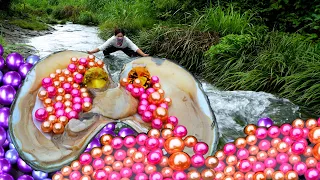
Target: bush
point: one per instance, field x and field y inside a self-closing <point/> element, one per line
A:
<point x="87" y="18"/>
<point x="66" y="12"/>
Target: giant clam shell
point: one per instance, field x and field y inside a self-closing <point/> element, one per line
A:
<point x="49" y="154"/>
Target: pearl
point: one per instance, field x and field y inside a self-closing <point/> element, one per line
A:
<point x="58" y="128"/>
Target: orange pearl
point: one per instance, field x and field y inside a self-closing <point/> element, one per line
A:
<point x="229" y="170"/>
<point x="219" y="176"/>
<point x="156" y="86"/>
<point x="53" y="76"/>
<point x="75" y="73"/>
<point x="59" y="98"/>
<point x="311" y="162"/>
<point x="308" y="152"/>
<point x="275" y="142"/>
<point x="106" y="139"/>
<point x="75" y="86"/>
<point x="250" y="129"/>
<point x="57" y="83"/>
<point x="164" y="161"/>
<point x="238" y="175"/>
<point x="149" y="169"/>
<point x="138" y="157"/>
<point x="107" y="149"/>
<point x="66" y="170"/>
<point x="137" y="83"/>
<point x="47" y="102"/>
<point x="168" y="126"/>
<point x="84" y="177"/>
<point x="231" y="160"/>
<point x="52" y="118"/>
<point x="67" y="103"/>
<point x="70" y="80"/>
<point x="240" y="143"/>
<point x="68" y="97"/>
<point x="81" y="69"/>
<point x="268" y="172"/>
<point x="61" y="91"/>
<point x="311" y="123"/>
<point x="91" y="58"/>
<point x="75" y="165"/>
<point x="74" y="60"/>
<point x="91" y="64"/>
<point x="58" y="128"/>
<point x="207" y="174"/>
<point x="68" y="109"/>
<point x="154" y="133"/>
<point x="259" y="176"/>
<point x="211" y="162"/>
<point x="83" y="95"/>
<point x="228" y="178"/>
<point x="66" y="73"/>
<point x="57" y="176"/>
<point x="190" y="141"/>
<point x="58" y="72"/>
<point x="314" y="135"/>
<point x="252" y="159"/>
<point x="109" y="159"/>
<point x="278" y="175"/>
<point x="87" y="170"/>
<point x="161" y="92"/>
<point x="179" y="161"/>
<point x="173" y="144"/>
<point x="117" y="166"/>
<point x="83" y="90"/>
<point x="166" y="133"/>
<point x="262" y="155"/>
<point x="63" y="120"/>
<point x="96" y="152"/>
<point x="167" y="172"/>
<point x="249" y="175"/>
<point x="124" y="82"/>
<point x="42" y="95"/>
<point x="161" y="113"/>
<point x="155" y="98"/>
<point x="168" y="101"/>
<point x="62" y="79"/>
<point x="272" y="152"/>
<point x="108" y="169"/>
<point x="100" y="63"/>
<point x="86" y="106"/>
<point x="194" y="175"/>
<point x="251" y="140"/>
<point x="293" y="159"/>
<point x="298" y="123"/>
<point x="128" y="162"/>
<point x="291" y="175"/>
<point x="253" y="150"/>
<point x="46" y="126"/>
<point x="220" y="155"/>
<point x="50" y="110"/>
<point x="283" y="147"/>
<point x="131" y="151"/>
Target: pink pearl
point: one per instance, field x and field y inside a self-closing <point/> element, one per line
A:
<point x="41" y="114"/>
<point x="58" y="105"/>
<point x="143" y="150"/>
<point x="258" y="166"/>
<point x="75" y="175"/>
<point x="87" y="99"/>
<point x="77" y="107"/>
<point x="156" y="123"/>
<point x="285" y="129"/>
<point x="137" y="168"/>
<point x="144" y="102"/>
<point x="318" y="121"/>
<point x="287" y="139"/>
<point x="151" y="107"/>
<point x="60" y="112"/>
<point x="164" y="105"/>
<point x="46" y="82"/>
<point x="270" y="162"/>
<point x="120" y="155"/>
<point x="117" y="143"/>
<point x="72" y="115"/>
<point x="152" y="143"/>
<point x="129" y="141"/>
<point x="75" y="93"/>
<point x="98" y="163"/>
<point x="264" y="145"/>
<point x="129" y="87"/>
<point x="85" y="159"/>
<point x="158" y="151"/>
<point x="141" y="139"/>
<point x="77" y="100"/>
<point x="261" y="133"/>
<point x="242" y="153"/>
<point x="114" y="175"/>
<point x="83" y="62"/>
<point x="318" y="166"/>
<point x="154" y="79"/>
<point x="312" y="174"/>
<point x="135" y="92"/>
<point x="179" y="175"/>
<point x="285" y="167"/>
<point x="229" y="149"/>
<point x="141" y="176"/>
<point x="150" y="90"/>
<point x="52" y="91"/>
<point x="67" y="87"/>
<point x="305" y="132"/>
<point x="201" y="148"/>
<point x="245" y="165"/>
<point x="282" y="158"/>
<point x="143" y="96"/>
<point x="161" y="142"/>
<point x="126" y="172"/>
<point x="147" y="116"/>
<point x="300" y="168"/>
<point x="296" y="133"/>
<point x="180" y="131"/>
<point x="156" y="176"/>
<point x="274" y="131"/>
<point x="72" y="67"/>
<point x="173" y="120"/>
<point x="220" y="167"/>
<point x="142" y="90"/>
<point x="154" y="158"/>
<point x="298" y="148"/>
<point x="142" y="109"/>
<point x="197" y="160"/>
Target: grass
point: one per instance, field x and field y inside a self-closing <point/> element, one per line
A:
<point x="30" y="24"/>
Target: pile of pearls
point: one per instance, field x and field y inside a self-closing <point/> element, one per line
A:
<point x="63" y="96"/>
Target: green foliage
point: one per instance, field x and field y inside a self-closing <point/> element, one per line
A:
<point x="87" y="18"/>
<point x="30" y="24"/>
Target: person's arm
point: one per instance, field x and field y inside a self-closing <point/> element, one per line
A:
<point x="135" y="48"/>
<point x="103" y="46"/>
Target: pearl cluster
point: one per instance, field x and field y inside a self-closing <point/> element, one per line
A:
<point x="63" y="97"/>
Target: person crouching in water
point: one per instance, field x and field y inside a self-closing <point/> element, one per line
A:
<point x="119" y="42"/>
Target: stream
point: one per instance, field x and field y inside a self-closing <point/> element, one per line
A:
<point x="233" y="109"/>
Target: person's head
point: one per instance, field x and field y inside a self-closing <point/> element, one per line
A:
<point x="119" y="32"/>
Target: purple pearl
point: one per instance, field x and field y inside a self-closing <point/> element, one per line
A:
<point x="94" y="143"/>
<point x="24" y="167"/>
<point x="2" y="62"/>
<point x="1" y="50"/>
<point x="5" y="176"/>
<point x="14" y="61"/>
<point x="5" y="166"/>
<point x="2" y="152"/>
<point x="126" y="132"/>
<point x="39" y="175"/>
<point x="265" y="122"/>
<point x="12" y="156"/>
<point x="110" y="127"/>
<point x="25" y="177"/>
<point x="3" y="136"/>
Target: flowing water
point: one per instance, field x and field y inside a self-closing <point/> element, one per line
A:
<point x="233" y="109"/>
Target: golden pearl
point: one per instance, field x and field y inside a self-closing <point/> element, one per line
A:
<point x="155" y="98"/>
<point x="81" y="69"/>
<point x="179" y="161"/>
<point x="87" y="170"/>
<point x="96" y="152"/>
<point x="138" y="157"/>
<point x="107" y="150"/>
<point x="66" y="170"/>
<point x="298" y="123"/>
<point x="57" y="83"/>
<point x="57" y="176"/>
<point x="231" y="160"/>
<point x="100" y="63"/>
<point x="91" y="64"/>
<point x="50" y="110"/>
<point x="58" y="128"/>
<point x="47" y="102"/>
<point x="59" y="98"/>
<point x="314" y="135"/>
<point x="168" y="126"/>
<point x="68" y="109"/>
<point x="75" y="165"/>
<point x="166" y="133"/>
<point x="194" y="175"/>
<point x="61" y="91"/>
<point x="74" y="60"/>
<point x="137" y="83"/>
<point x="53" y="76"/>
<point x="156" y="86"/>
<point x="251" y="140"/>
<point x="42" y="95"/>
<point x="83" y="90"/>
<point x="250" y="129"/>
<point x="168" y="101"/>
<point x="124" y="82"/>
<point x="161" y="92"/>
<point x="173" y="144"/>
<point x="161" y="113"/>
<point x="70" y="80"/>
<point x="154" y="133"/>
<point x="52" y="118"/>
<point x="46" y="126"/>
<point x="67" y="103"/>
<point x="66" y="73"/>
<point x="220" y="155"/>
<point x="311" y="123"/>
<point x="68" y="97"/>
<point x="62" y="79"/>
<point x="83" y="95"/>
<point x="291" y="175"/>
<point x="240" y="143"/>
<point x="75" y="86"/>
<point x="58" y="72"/>
<point x="207" y="174"/>
<point x="106" y="139"/>
<point x="91" y="58"/>
<point x="86" y="106"/>
<point x="278" y="175"/>
<point x="190" y="141"/>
